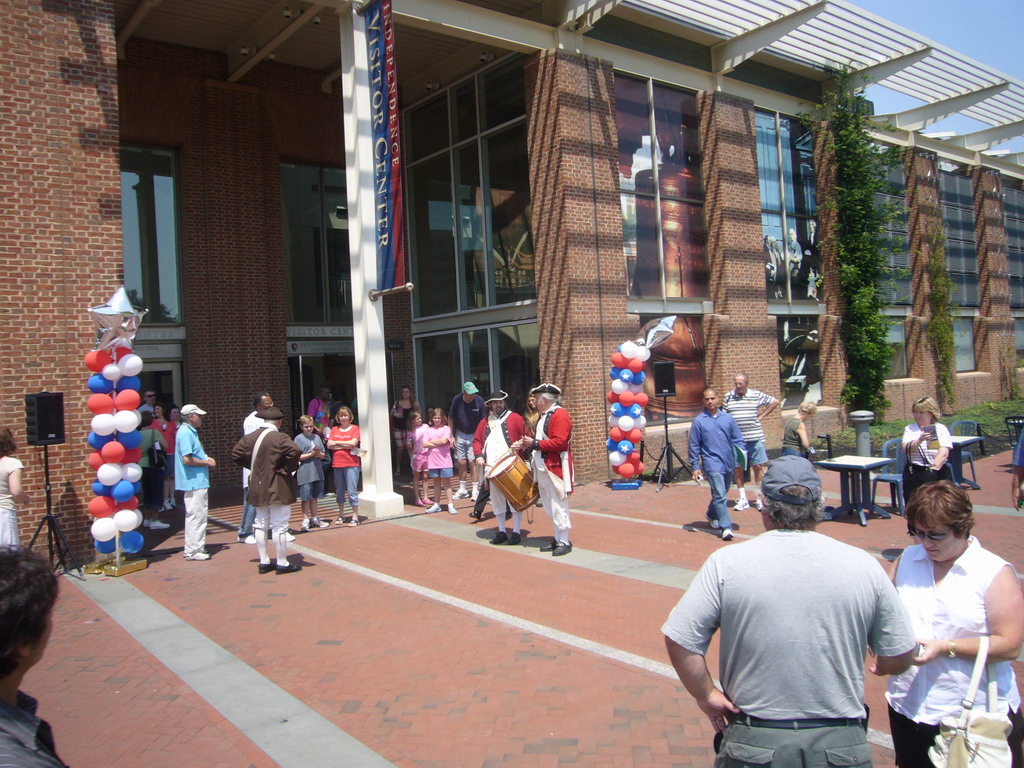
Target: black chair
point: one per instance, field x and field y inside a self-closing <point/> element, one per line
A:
<point x="1014" y="425"/>
<point x="893" y="474"/>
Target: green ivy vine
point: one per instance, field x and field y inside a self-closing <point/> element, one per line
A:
<point x="940" y="326"/>
<point x="861" y="168"/>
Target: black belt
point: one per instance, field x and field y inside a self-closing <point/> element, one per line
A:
<point x="796" y="725"/>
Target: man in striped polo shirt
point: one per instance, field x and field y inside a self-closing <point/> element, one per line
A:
<point x="748" y="406"/>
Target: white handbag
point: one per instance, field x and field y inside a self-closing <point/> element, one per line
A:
<point x="974" y="739"/>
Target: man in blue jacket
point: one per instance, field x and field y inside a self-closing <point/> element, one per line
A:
<point x="714" y="439"/>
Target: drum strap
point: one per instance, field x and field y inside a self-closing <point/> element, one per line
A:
<point x="504" y="427"/>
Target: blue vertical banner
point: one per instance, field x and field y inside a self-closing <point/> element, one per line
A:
<point x="387" y="154"/>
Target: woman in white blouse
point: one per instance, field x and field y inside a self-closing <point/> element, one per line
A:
<point x="955" y="591"/>
<point x="927" y="444"/>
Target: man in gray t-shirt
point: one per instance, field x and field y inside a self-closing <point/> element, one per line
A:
<point x="797" y="612"/>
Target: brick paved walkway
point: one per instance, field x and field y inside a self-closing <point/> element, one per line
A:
<point x="420" y="641"/>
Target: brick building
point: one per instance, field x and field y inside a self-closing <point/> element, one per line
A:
<point x="570" y="174"/>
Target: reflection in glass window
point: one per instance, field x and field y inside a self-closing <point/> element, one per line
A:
<point x="898" y="362"/>
<point x="799" y="366"/>
<point x="318" y="278"/>
<point x="438" y="355"/>
<point x="510" y="214"/>
<point x="896" y="288"/>
<point x="963" y="337"/>
<point x="516" y="350"/>
<point x="956" y="190"/>
<point x="661" y="190"/>
<point x="1013" y="220"/>
<point x="785" y="164"/>
<point x="149" y="225"/>
<point x="430" y="226"/>
<point x="1018" y="337"/>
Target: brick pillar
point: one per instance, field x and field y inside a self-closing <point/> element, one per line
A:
<point x="740" y="335"/>
<point x="577" y="236"/>
<point x="231" y="266"/>
<point x="60" y="231"/>
<point x="994" y="346"/>
<point x="923" y="215"/>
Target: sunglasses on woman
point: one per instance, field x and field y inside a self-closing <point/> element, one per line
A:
<point x="933" y="535"/>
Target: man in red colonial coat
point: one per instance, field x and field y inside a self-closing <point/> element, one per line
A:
<point x="493" y="439"/>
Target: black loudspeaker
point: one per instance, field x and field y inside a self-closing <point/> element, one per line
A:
<point x="44" y="418"/>
<point x="664" y="378"/>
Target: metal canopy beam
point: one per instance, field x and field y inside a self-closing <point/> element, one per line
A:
<point x="989" y="137"/>
<point x="729" y="54"/>
<point x="919" y="118"/>
<point x="139" y="14"/>
<point x="268" y="34"/>
<point x="577" y="15"/>
<point x="876" y="73"/>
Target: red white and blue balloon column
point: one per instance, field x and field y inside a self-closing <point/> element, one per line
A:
<point x="115" y="438"/>
<point x="628" y="400"/>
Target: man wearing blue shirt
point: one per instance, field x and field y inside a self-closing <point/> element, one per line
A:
<point x="714" y="438"/>
<point x="1018" y="472"/>
<point x="192" y="475"/>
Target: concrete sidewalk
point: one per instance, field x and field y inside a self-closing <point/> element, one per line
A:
<point x="414" y="642"/>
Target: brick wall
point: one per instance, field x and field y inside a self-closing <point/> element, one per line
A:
<point x="60" y="230"/>
<point x="581" y="283"/>
<point x="993" y="331"/>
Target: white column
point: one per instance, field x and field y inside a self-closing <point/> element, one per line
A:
<point x="378" y="498"/>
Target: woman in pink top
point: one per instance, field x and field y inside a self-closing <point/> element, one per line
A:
<point x="415" y="430"/>
<point x="168" y="428"/>
<point x="438" y="442"/>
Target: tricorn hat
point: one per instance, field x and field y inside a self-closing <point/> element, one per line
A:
<point x="496" y="395"/>
<point x="546" y="389"/>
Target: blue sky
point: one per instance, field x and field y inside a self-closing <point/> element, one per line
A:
<point x="987" y="31"/>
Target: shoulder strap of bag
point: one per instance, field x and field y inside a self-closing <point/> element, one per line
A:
<point x="979" y="667"/>
<point x="259" y="442"/>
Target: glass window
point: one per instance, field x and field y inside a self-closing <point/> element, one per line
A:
<point x="439" y="355"/>
<point x="318" y="278"/>
<point x="963" y="337"/>
<point x="961" y="246"/>
<point x="898" y="362"/>
<point x="149" y="226"/>
<point x="786" y="176"/>
<point x="516" y="351"/>
<point x="799" y="366"/>
<point x="896" y="287"/>
<point x="469" y="204"/>
<point x="662" y="191"/>
<point x="1013" y="221"/>
<point x="1018" y="336"/>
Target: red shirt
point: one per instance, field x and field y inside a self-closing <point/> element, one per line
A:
<point x="343" y="456"/>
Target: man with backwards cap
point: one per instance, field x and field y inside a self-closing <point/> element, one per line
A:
<point x="552" y="464"/>
<point x="493" y="439"/>
<point x="271" y="458"/>
<point x="797" y="612"/>
<point x="192" y="475"/>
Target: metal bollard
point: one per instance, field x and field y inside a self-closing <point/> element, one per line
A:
<point x="861" y="421"/>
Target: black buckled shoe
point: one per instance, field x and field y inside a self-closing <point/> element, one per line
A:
<point x="514" y="539"/>
<point x="562" y="549"/>
<point x="501" y="538"/>
<point x="290" y="568"/>
<point x="550" y="546"/>
<point x="266" y="568"/>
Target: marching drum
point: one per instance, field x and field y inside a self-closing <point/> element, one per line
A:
<point x="512" y="475"/>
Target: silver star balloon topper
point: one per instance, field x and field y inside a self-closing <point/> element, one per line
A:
<point x="117" y="321"/>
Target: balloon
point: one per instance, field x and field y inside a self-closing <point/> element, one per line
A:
<point x="636" y="365"/>
<point x="612" y="421"/>
<point x="627" y="398"/>
<point x="616" y="434"/>
<point x="137" y="487"/>
<point x="615" y="373"/>
<point x="613" y="396"/>
<point x="618" y="410"/>
<point x="104" y="529"/>
<point x="619" y="386"/>
<point x="634" y="458"/>
<point x="616" y="458"/>
<point x="123" y="491"/>
<point x="109" y="474"/>
<point x="634" y="436"/>
<point x="98" y="441"/>
<point x="132" y="472"/>
<point x="641" y="422"/>
<point x="106" y="547"/>
<point x="625" y="447"/>
<point x="112" y="452"/>
<point x="635" y="411"/>
<point x="619" y="360"/>
<point x="639" y="467"/>
<point x="130" y="365"/>
<point x="132" y="454"/>
<point x="95" y="460"/>
<point x="121" y="352"/>
<point x="127" y="400"/>
<point x="612" y="445"/>
<point x="626" y="423"/>
<point x="130" y="440"/>
<point x="629" y="349"/>
<point x="127" y="519"/>
<point x="103" y="424"/>
<point x="128" y="382"/>
<point x="641" y="399"/>
<point x="126" y="421"/>
<point x="132" y="503"/>
<point x="638" y="377"/>
<point x="100" y="403"/>
<point x="102" y="506"/>
<point x="628" y="376"/>
<point x="131" y="542"/>
<point x="643" y="353"/>
<point x="97" y="359"/>
<point x="636" y="388"/>
<point x="99" y="489"/>
<point x="626" y="469"/>
<point x="111" y="372"/>
<point x="100" y="385"/>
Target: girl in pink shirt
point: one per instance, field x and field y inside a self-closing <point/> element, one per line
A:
<point x="415" y="430"/>
<point x="438" y="441"/>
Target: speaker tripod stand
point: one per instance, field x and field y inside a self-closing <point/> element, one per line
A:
<point x="664" y="467"/>
<point x="56" y="542"/>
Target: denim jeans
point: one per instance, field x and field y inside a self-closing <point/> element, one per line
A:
<point x="718" y="509"/>
<point x="347" y="479"/>
<point x="248" y="515"/>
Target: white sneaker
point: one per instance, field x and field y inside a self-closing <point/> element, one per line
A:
<point x="727" y="534"/>
<point x="158" y="525"/>
<point x="759" y="503"/>
<point x="147" y="523"/>
<point x="452" y="510"/>
<point x="305" y="526"/>
<point x="742" y="503"/>
<point x="714" y="524"/>
<point x="317" y="522"/>
<point x="476" y="492"/>
<point x="250" y="539"/>
<point x="168" y="506"/>
<point x="433" y="508"/>
<point x="198" y="556"/>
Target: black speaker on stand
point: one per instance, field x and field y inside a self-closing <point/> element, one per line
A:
<point x="44" y="425"/>
<point x="665" y="387"/>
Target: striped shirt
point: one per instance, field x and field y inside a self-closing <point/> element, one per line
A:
<point x="744" y="409"/>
